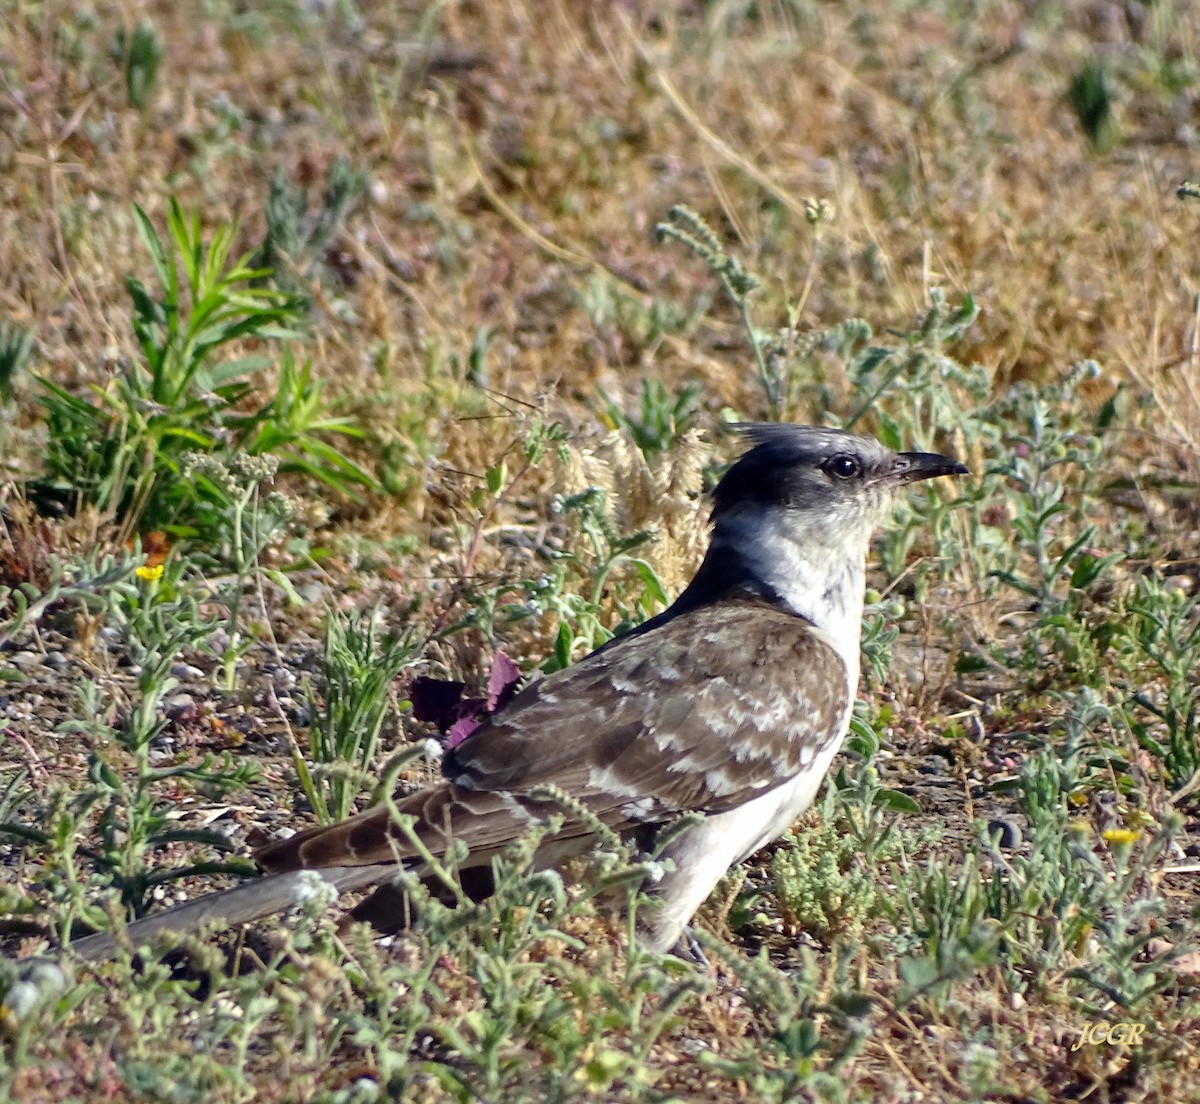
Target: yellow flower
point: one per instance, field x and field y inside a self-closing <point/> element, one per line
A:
<point x="150" y="574"/>
<point x="1139" y="819"/>
<point x="1126" y="836"/>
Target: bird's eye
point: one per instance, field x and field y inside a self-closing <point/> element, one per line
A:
<point x="842" y="466"/>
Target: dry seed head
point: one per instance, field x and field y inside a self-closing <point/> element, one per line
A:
<point x="662" y="496"/>
<point x="819" y="212"/>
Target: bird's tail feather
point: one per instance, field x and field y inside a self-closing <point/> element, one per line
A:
<point x="485" y="821"/>
<point x="364" y="851"/>
<point x="240" y="905"/>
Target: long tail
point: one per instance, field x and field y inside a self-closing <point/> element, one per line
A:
<point x="353" y="854"/>
<point x="241" y="905"/>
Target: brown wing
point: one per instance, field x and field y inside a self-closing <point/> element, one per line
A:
<point x="704" y="712"/>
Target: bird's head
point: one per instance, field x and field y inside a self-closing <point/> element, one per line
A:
<point x="827" y="488"/>
<point x="793" y="519"/>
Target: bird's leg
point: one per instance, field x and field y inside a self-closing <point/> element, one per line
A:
<point x="688" y="948"/>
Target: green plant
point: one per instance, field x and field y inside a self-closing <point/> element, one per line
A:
<point x="628" y="327"/>
<point x="1081" y="886"/>
<point x="689" y="229"/>
<point x="780" y="358"/>
<point x="82" y="581"/>
<point x="1161" y="637"/>
<point x="15" y="346"/>
<point x="14" y="791"/>
<point x="296" y="237"/>
<point x="250" y="523"/>
<point x="947" y="911"/>
<point x="1079" y="905"/>
<point x="1090" y="96"/>
<point x="294" y="425"/>
<point x="347" y="718"/>
<point x="827" y="875"/>
<point x="124" y="450"/>
<point x="814" y="1020"/>
<point x="125" y="802"/>
<point x="578" y="587"/>
<point x="581" y="628"/>
<point x="1041" y="446"/>
<point x="822" y="886"/>
<point x="913" y="390"/>
<point x="535" y="983"/>
<point x="29" y="992"/>
<point x="142" y="55"/>
<point x="663" y="417"/>
<point x="880" y="632"/>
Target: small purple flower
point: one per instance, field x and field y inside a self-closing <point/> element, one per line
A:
<point x="440" y="702"/>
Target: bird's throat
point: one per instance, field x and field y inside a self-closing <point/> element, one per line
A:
<point x="798" y="571"/>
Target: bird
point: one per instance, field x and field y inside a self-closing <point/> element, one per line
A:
<point x="726" y="710"/>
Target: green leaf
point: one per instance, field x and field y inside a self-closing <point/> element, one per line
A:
<point x="562" y="646"/>
<point x="897" y="802"/>
<point x="204" y="836"/>
<point x="654" y="589"/>
<point x="143" y="59"/>
<point x="918" y="973"/>
<point x="862" y="739"/>
<point x="154" y="246"/>
<point x="497" y="476"/>
<point x="1089" y="568"/>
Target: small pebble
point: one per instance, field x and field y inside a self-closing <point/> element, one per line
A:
<point x="313" y="592"/>
<point x="1006" y="833"/>
<point x="177" y="704"/>
<point x="25" y="661"/>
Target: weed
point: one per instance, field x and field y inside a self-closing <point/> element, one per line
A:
<point x="803" y="1040"/>
<point x="628" y="328"/>
<point x="16" y="344"/>
<point x="125" y="804"/>
<point x="124" y="452"/>
<point x="88" y="581"/>
<point x="1161" y="635"/>
<point x="142" y="55"/>
<point x="577" y="590"/>
<point x="913" y="390"/>
<point x="241" y="533"/>
<point x="880" y="632"/>
<point x="662" y="419"/>
<point x="296" y="237"/>
<point x="689" y="229"/>
<point x="1039" y="445"/>
<point x="581" y="628"/>
<point x="358" y="671"/>
<point x="1079" y="906"/>
<point x="1090" y="96"/>
<point x="826" y="875"/>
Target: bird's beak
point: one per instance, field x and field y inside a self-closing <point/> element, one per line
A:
<point x="912" y="466"/>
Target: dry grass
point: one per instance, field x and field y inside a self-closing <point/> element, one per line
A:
<point x="515" y="153"/>
<point x="519" y="156"/>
